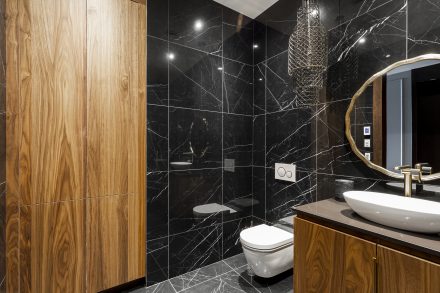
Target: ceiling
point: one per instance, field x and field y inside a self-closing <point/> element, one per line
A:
<point x="250" y="8"/>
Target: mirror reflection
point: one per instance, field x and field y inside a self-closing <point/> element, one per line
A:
<point x="396" y="120"/>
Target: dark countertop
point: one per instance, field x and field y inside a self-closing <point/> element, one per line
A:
<point x="339" y="214"/>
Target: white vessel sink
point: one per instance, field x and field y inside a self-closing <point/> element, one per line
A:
<point x="411" y="214"/>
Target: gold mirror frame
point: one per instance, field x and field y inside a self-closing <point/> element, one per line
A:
<point x="353" y="102"/>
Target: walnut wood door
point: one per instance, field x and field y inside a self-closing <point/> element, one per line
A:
<point x="400" y="272"/>
<point x="330" y="261"/>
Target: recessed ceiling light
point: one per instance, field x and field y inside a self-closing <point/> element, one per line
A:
<point x="220" y="68"/>
<point x="314" y="12"/>
<point x="260" y="79"/>
<point x="387" y="56"/>
<point x="362" y="40"/>
<point x="198" y="25"/>
<point x="171" y="56"/>
<point x="256" y="46"/>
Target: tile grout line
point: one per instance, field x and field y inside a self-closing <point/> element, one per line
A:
<point x="168" y="144"/>
<point x="242" y="277"/>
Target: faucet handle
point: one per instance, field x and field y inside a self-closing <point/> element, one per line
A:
<point x="424" y="168"/>
<point x="400" y="168"/>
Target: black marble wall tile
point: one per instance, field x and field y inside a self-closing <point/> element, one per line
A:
<point x="237" y="36"/>
<point x="259" y="88"/>
<point x="195" y="249"/>
<point x="281" y="196"/>
<point x="191" y="189"/>
<point x="290" y="138"/>
<point x="157" y="205"/>
<point x="195" y="79"/>
<point x="237" y="193"/>
<point x="157" y="20"/>
<point x="423" y="27"/>
<point x="157" y="138"/>
<point x="157" y="261"/>
<point x="157" y="72"/>
<point x="278" y="34"/>
<point x="237" y="88"/>
<point x="260" y="40"/>
<point x="259" y="141"/>
<point x="195" y="137"/>
<point x="237" y="139"/>
<point x="259" y="192"/>
<point x="183" y="16"/>
<point x="231" y="236"/>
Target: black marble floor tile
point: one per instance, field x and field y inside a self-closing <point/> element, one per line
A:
<point x="237" y="36"/>
<point x="423" y="27"/>
<point x="195" y="79"/>
<point x="236" y="262"/>
<point x="195" y="138"/>
<point x="157" y="261"/>
<point x="164" y="287"/>
<point x="237" y="139"/>
<point x="196" y="24"/>
<point x="157" y="19"/>
<point x="157" y="72"/>
<point x="195" y="249"/>
<point x="238" y="88"/>
<point x="157" y="138"/>
<point x="157" y="205"/>
<point x="191" y="189"/>
<point x="198" y="276"/>
<point x="282" y="283"/>
<point x="230" y="282"/>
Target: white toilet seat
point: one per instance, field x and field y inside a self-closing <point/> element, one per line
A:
<point x="265" y="238"/>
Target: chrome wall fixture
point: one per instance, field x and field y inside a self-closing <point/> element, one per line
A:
<point x="308" y="53"/>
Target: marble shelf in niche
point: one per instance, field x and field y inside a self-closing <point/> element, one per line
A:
<point x="237" y="36"/>
<point x="194" y="249"/>
<point x="423" y="27"/>
<point x="237" y="139"/>
<point x="157" y="20"/>
<point x="290" y="138"/>
<point x="157" y="72"/>
<point x="157" y="261"/>
<point x="238" y="88"/>
<point x="189" y="190"/>
<point x="237" y="193"/>
<point x="195" y="79"/>
<point x="195" y="138"/>
<point x="281" y="195"/>
<point x="157" y="205"/>
<point x="183" y="16"/>
<point x="157" y="138"/>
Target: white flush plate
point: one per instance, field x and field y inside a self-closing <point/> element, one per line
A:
<point x="285" y="172"/>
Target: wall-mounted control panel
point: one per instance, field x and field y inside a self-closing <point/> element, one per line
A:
<point x="286" y="172"/>
<point x="367" y="143"/>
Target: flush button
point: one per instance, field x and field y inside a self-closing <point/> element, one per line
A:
<point x="282" y="172"/>
<point x="289" y="174"/>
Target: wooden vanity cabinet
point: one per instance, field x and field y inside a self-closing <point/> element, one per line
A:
<point x="327" y="260"/>
<point x="330" y="261"/>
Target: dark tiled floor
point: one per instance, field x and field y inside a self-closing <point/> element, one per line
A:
<point x="227" y="276"/>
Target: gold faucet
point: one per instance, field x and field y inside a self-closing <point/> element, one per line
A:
<point x="410" y="174"/>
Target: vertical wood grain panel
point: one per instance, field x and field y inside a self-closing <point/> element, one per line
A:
<point x="52" y="83"/>
<point x="107" y="242"/>
<point x="330" y="261"/>
<point x="378" y="127"/>
<point x="400" y="272"/>
<point x="52" y="247"/>
<point x="12" y="148"/>
<point x="111" y="121"/>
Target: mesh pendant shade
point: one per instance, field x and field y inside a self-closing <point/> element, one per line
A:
<point x="308" y="53"/>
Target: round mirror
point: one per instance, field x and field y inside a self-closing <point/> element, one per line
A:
<point x="394" y="118"/>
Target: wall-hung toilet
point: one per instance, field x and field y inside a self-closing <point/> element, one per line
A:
<point x="268" y="249"/>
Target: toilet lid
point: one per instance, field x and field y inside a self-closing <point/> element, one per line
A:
<point x="265" y="237"/>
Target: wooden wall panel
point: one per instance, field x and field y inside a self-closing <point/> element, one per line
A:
<point x="400" y="272"/>
<point x="52" y="99"/>
<point x="330" y="261"/>
<point x="52" y="247"/>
